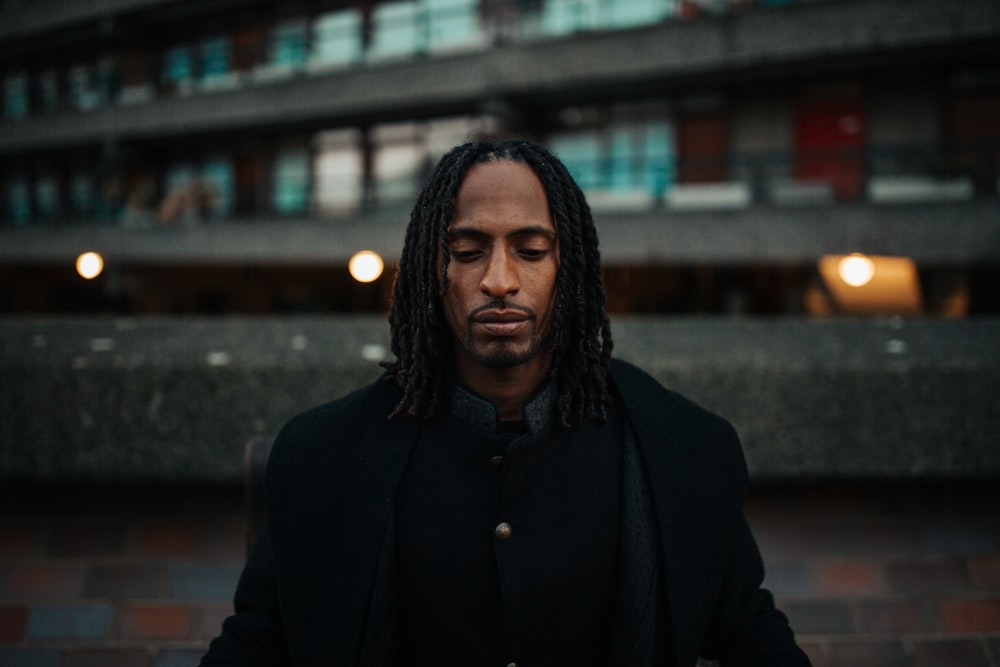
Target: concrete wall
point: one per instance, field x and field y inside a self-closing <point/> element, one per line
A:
<point x="101" y="400"/>
<point x="935" y="233"/>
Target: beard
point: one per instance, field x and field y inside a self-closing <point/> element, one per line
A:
<point x="502" y="354"/>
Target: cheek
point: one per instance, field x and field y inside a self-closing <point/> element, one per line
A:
<point x="453" y="307"/>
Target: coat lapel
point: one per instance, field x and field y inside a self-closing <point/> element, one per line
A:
<point x="342" y="471"/>
<point x="675" y="492"/>
<point x="635" y="619"/>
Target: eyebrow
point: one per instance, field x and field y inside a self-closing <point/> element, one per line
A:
<point x="531" y="230"/>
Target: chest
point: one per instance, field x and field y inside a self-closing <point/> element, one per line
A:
<point x="511" y="542"/>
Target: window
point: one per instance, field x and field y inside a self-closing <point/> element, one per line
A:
<point x="214" y="58"/>
<point x="395" y="31"/>
<point x="15" y="92"/>
<point x="217" y="183"/>
<point x="336" y="38"/>
<point x="561" y="17"/>
<point x="46" y="198"/>
<point x="453" y="24"/>
<point x="622" y="157"/>
<point x="581" y="153"/>
<point x="82" y="195"/>
<point x="178" y="71"/>
<point x="18" y="201"/>
<point x="405" y="152"/>
<point x="399" y="162"/>
<point x="290" y="182"/>
<point x="289" y="44"/>
<point x="338" y="171"/>
<point x="48" y="91"/>
<point x="82" y="88"/>
<point x="636" y="12"/>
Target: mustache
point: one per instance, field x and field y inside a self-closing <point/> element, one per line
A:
<point x="500" y="304"/>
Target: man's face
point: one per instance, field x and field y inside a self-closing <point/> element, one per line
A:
<point x="502" y="273"/>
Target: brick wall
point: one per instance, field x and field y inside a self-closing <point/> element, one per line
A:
<point x="874" y="574"/>
<point x="116" y="578"/>
<point x="886" y="574"/>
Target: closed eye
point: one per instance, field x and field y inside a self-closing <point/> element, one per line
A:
<point x="465" y="255"/>
<point x="533" y="253"/>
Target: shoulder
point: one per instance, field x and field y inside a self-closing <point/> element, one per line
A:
<point x="373" y="401"/>
<point x="645" y="399"/>
<point x="336" y="426"/>
<point x="673" y="428"/>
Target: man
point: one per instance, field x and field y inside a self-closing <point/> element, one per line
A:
<point x="506" y="494"/>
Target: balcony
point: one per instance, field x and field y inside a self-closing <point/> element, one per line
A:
<point x="579" y="62"/>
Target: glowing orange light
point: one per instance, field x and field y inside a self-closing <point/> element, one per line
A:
<point x="366" y="266"/>
<point x="856" y="270"/>
<point x="89" y="265"/>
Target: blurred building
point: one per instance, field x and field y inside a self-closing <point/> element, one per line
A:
<point x="800" y="159"/>
<point x="230" y="156"/>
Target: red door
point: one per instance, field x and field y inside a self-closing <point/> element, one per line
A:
<point x="703" y="148"/>
<point x="829" y="142"/>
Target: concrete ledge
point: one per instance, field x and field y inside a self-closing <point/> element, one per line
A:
<point x="963" y="233"/>
<point x="709" y="196"/>
<point x="173" y="400"/>
<point x="909" y="189"/>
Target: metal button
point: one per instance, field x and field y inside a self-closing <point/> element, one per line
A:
<point x="503" y="531"/>
<point x="496" y="461"/>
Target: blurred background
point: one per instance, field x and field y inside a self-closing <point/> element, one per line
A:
<point x="799" y="210"/>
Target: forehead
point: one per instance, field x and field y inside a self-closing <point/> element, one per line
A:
<point x="501" y="192"/>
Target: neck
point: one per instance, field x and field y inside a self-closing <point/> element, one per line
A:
<point x="507" y="388"/>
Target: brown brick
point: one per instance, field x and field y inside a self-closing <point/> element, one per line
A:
<point x="858" y="652"/>
<point x="948" y="653"/>
<point x="970" y="615"/>
<point x="20" y="541"/>
<point x="156" y="623"/>
<point x="178" y="657"/>
<point x="923" y="577"/>
<point x="105" y="657"/>
<point x="817" y="656"/>
<point x="42" y="581"/>
<point x="124" y="582"/>
<point x="849" y="578"/>
<point x="91" y="622"/>
<point x="13" y="623"/>
<point x="15" y="656"/>
<point x="212" y="617"/>
<point x="819" y="618"/>
<point x="957" y="535"/>
<point x="984" y="572"/>
<point x="87" y="540"/>
<point x="227" y="541"/>
<point x="171" y="541"/>
<point x="842" y="538"/>
<point x="895" y="617"/>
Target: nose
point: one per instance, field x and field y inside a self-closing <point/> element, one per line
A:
<point x="500" y="277"/>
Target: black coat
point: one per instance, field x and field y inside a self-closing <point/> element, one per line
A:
<point x="317" y="589"/>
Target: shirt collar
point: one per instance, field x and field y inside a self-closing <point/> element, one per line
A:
<point x="481" y="413"/>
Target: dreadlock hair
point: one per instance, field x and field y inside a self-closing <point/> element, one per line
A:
<point x="580" y="334"/>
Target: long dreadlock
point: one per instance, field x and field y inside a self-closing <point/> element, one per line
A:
<point x="580" y="333"/>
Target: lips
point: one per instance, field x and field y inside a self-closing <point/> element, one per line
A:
<point x="501" y="322"/>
